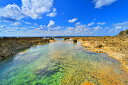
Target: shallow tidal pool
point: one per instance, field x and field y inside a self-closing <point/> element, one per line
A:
<point x="61" y="63"/>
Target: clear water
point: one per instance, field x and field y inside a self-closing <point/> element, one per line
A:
<point x="61" y="63"/>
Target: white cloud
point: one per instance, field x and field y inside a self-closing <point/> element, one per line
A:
<point x="41" y="30"/>
<point x="22" y="28"/>
<point x="51" y="23"/>
<point x="90" y="24"/>
<point x="101" y="3"/>
<point x="35" y="9"/>
<point x="101" y="23"/>
<point x="2" y="27"/>
<point x="118" y="27"/>
<point x="16" y="24"/>
<point x="97" y="28"/>
<point x="72" y="20"/>
<point x="29" y="8"/>
<point x="122" y="23"/>
<point x="56" y="28"/>
<point x="53" y="13"/>
<point x="79" y="28"/>
<point x="78" y="23"/>
<point x="11" y="11"/>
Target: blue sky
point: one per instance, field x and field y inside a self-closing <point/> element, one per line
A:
<point x="63" y="17"/>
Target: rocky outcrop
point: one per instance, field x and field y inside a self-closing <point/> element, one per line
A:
<point x="11" y="46"/>
<point x="123" y="33"/>
<point x="116" y="47"/>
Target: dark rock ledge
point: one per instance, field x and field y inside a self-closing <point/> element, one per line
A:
<point x="11" y="46"/>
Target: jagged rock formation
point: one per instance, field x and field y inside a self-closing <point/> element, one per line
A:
<point x="11" y="46"/>
<point x="114" y="46"/>
<point x="123" y="33"/>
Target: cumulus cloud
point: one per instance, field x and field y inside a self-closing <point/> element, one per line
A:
<point x="90" y="24"/>
<point x="35" y="9"/>
<point x="51" y="23"/>
<point x="101" y="3"/>
<point x="97" y="28"/>
<point x="118" y="27"/>
<point x="53" y="13"/>
<point x="8" y="19"/>
<point x="16" y="24"/>
<point x="121" y="25"/>
<point x="101" y="23"/>
<point x="79" y="28"/>
<point x="78" y="23"/>
<point x="73" y="20"/>
<point x="11" y="12"/>
<point x="55" y="28"/>
<point x="30" y="8"/>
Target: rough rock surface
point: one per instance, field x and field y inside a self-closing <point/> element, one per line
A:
<point x="11" y="46"/>
<point x="116" y="47"/>
<point x="123" y="33"/>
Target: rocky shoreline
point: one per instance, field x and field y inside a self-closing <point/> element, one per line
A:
<point x="114" y="46"/>
<point x="11" y="46"/>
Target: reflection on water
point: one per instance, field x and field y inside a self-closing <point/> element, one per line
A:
<point x="61" y="63"/>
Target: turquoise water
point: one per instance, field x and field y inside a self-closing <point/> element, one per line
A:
<point x="61" y="63"/>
